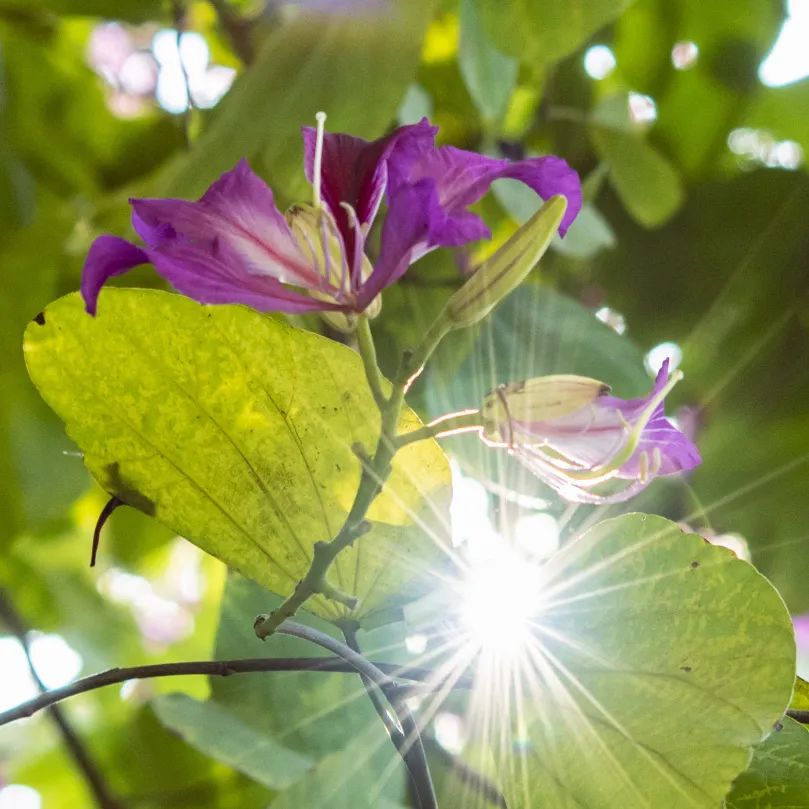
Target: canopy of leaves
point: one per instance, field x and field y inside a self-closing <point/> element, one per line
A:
<point x="693" y="232"/>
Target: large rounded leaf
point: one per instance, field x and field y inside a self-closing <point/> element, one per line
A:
<point x="236" y="430"/>
<point x="660" y="661"/>
<point x="778" y="775"/>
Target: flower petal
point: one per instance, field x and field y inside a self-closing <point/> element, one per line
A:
<point x="354" y="170"/>
<point x="404" y="236"/>
<point x="214" y="274"/>
<point x="462" y="178"/>
<point x="677" y="452"/>
<point x="108" y="256"/>
<point x="238" y="211"/>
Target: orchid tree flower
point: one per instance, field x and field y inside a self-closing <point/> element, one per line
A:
<point x="581" y="441"/>
<point x="234" y="246"/>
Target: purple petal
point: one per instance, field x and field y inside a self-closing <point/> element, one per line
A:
<point x="215" y="274"/>
<point x="677" y="452"/>
<point x="354" y="170"/>
<point x="462" y="178"/>
<point x="108" y="256"/>
<point x="237" y="212"/>
<point x="404" y="235"/>
<point x="589" y="436"/>
<point x="801" y="624"/>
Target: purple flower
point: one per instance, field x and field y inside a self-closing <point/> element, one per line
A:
<point x="579" y="440"/>
<point x="801" y="625"/>
<point x="234" y="246"/>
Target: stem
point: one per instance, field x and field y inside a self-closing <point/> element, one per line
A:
<point x="403" y="732"/>
<point x="392" y="723"/>
<point x="413" y="362"/>
<point x="367" y="349"/>
<point x="408" y="739"/>
<point x="375" y="472"/>
<point x="451" y="424"/>
<point x="215" y="668"/>
<point x="84" y="762"/>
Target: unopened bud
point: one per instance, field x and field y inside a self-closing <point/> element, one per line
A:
<point x="502" y="272"/>
<point x="534" y="401"/>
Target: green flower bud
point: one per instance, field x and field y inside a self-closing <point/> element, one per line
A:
<point x="503" y="272"/>
<point x="536" y="400"/>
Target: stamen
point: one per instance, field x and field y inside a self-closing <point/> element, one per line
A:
<point x="657" y="460"/>
<point x="643" y="467"/>
<point x="324" y="243"/>
<point x="359" y="244"/>
<point x="320" y="117"/>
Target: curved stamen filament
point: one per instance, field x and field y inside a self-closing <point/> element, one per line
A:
<point x="359" y="244"/>
<point x="324" y="244"/>
<point x="320" y="117"/>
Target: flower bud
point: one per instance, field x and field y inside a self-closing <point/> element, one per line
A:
<point x="535" y="400"/>
<point x="502" y="272"/>
<point x="586" y="445"/>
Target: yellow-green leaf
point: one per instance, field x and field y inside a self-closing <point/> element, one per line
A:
<point x="236" y="430"/>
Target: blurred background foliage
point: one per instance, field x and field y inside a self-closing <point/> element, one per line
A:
<point x="689" y="123"/>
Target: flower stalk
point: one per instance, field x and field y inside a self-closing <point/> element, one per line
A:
<point x="375" y="472"/>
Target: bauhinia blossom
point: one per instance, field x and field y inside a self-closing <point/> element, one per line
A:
<point x="587" y="445"/>
<point x="234" y="246"/>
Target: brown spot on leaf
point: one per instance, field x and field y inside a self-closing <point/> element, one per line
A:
<point x="694" y="565"/>
<point x="40" y="319"/>
<point x="686" y="669"/>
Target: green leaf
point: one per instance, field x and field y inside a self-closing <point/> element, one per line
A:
<point x="351" y="778"/>
<point x="648" y="184"/>
<point x="539" y="32"/>
<point x="215" y="731"/>
<point x="489" y="75"/>
<point x="324" y="715"/>
<point x="356" y="67"/>
<point x="660" y="660"/>
<point x="236" y="431"/>
<point x="129" y="10"/>
<point x="778" y="776"/>
<point x="313" y="713"/>
<point x="800" y="696"/>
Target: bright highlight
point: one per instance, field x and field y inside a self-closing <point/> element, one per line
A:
<point x="500" y="600"/>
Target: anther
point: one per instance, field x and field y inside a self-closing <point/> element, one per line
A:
<point x="643" y="464"/>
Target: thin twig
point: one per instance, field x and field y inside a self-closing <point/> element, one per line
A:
<point x="389" y="720"/>
<point x="799" y="716"/>
<point x="212" y="668"/>
<point x="451" y="424"/>
<point x="403" y="732"/>
<point x="84" y="762"/>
